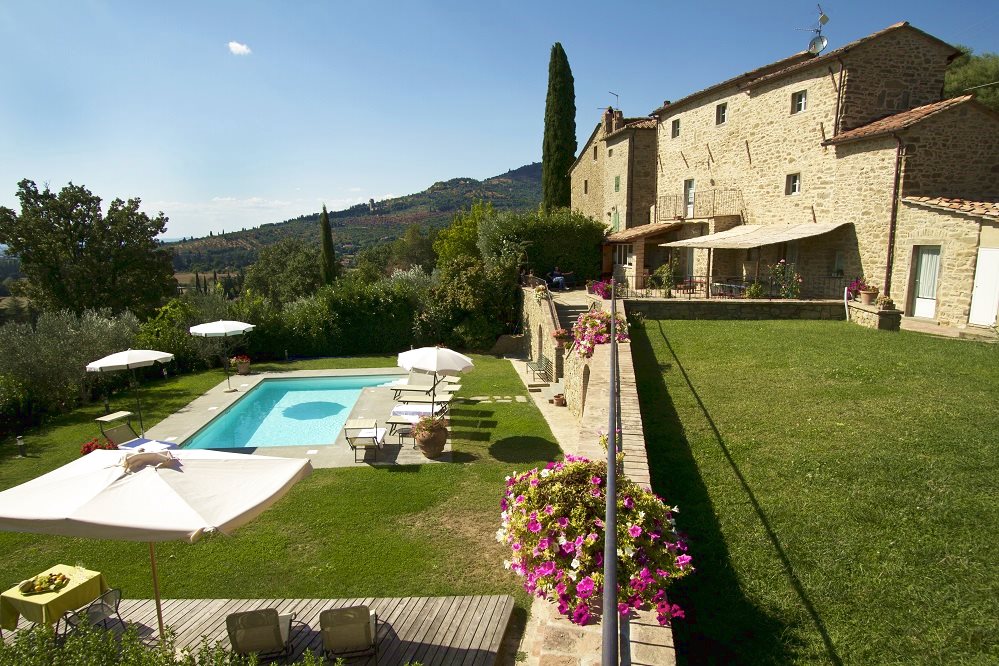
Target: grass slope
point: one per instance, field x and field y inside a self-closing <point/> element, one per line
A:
<point x="352" y="532"/>
<point x="838" y="485"/>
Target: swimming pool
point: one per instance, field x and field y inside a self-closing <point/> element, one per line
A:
<point x="304" y="411"/>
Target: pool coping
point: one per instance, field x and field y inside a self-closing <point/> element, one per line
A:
<point x="374" y="402"/>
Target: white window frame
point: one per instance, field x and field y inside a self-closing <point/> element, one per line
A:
<point x="792" y="184"/>
<point x="799" y="101"/>
<point x="624" y="254"/>
<point x="721" y="113"/>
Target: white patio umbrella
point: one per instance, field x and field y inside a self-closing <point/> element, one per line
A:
<point x="169" y="496"/>
<point x="130" y="359"/>
<point x="222" y="329"/>
<point x="438" y="360"/>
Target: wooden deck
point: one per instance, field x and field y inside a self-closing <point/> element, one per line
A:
<point x="432" y="630"/>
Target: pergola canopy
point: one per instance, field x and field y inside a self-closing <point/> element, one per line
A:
<point x="747" y="236"/>
<point x="643" y="231"/>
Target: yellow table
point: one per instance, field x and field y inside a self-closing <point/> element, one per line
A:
<point x="84" y="586"/>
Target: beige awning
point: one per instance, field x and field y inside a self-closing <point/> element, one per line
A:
<point x="746" y="236"/>
<point x="644" y="231"/>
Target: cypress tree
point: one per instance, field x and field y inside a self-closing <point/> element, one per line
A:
<point x="559" y="148"/>
<point x="328" y="268"/>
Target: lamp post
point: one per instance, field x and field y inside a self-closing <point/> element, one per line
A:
<point x="22" y="448"/>
<point x="610" y="631"/>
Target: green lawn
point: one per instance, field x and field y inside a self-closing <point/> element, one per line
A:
<point x="355" y="532"/>
<point x="838" y="485"/>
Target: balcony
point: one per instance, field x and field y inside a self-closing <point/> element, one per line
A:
<point x="711" y="203"/>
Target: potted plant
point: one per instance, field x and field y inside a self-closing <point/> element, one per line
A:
<point x="242" y="364"/>
<point x="868" y="294"/>
<point x="885" y="303"/>
<point x="562" y="335"/>
<point x="559" y="400"/>
<point x="430" y="435"/>
<point x="540" y="293"/>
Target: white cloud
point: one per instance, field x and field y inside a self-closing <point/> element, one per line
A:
<point x="236" y="48"/>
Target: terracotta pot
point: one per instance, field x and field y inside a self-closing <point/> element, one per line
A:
<point x="560" y="400"/>
<point x="432" y="445"/>
<point x="243" y="368"/>
<point x="868" y="296"/>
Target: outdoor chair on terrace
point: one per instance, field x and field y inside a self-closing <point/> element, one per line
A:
<point x="349" y="631"/>
<point x="98" y="612"/>
<point x="263" y="632"/>
<point x="363" y="434"/>
<point x="124" y="437"/>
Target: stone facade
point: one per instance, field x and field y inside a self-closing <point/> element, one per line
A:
<point x="901" y="69"/>
<point x="958" y="237"/>
<point x="954" y="154"/>
<point x="539" y="328"/>
<point x="613" y="179"/>
<point x="870" y="316"/>
<point x="587" y="178"/>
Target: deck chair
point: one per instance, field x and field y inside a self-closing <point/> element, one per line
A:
<point x="364" y="436"/>
<point x="263" y="632"/>
<point x="124" y="437"/>
<point x="349" y="631"/>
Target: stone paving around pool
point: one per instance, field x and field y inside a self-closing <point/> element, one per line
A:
<point x="373" y="403"/>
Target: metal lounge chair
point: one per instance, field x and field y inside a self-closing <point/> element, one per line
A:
<point x="349" y="631"/>
<point x="98" y="612"/>
<point x="263" y="632"/>
<point x="124" y="437"/>
<point x="363" y="434"/>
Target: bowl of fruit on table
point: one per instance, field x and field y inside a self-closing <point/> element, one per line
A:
<point x="43" y="583"/>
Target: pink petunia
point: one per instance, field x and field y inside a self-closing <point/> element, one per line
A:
<point x="635" y="531"/>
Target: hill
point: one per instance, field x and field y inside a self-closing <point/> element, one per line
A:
<point x="364" y="225"/>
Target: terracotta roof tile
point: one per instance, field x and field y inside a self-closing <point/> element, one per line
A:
<point x="633" y="123"/>
<point x="896" y="122"/>
<point x="836" y="53"/>
<point x="981" y="208"/>
<point x="746" y="76"/>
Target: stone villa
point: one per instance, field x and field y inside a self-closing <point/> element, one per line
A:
<point x="845" y="164"/>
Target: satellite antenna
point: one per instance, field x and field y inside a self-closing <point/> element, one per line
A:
<point x="819" y="42"/>
<point x="617" y="99"/>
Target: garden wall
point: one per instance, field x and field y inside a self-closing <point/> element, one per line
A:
<point x="539" y="330"/>
<point x="735" y="309"/>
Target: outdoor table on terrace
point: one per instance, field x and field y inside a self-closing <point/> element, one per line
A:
<point x="84" y="586"/>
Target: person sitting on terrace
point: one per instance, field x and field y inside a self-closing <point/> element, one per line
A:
<point x="558" y="279"/>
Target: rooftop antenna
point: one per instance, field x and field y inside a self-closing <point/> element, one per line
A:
<point x="819" y="42"/>
<point x="617" y="99"/>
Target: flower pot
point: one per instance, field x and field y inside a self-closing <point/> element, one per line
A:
<point x="243" y="368"/>
<point x="559" y="400"/>
<point x="867" y="296"/>
<point x="432" y="445"/>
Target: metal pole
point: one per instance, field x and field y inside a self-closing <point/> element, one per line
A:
<point x="610" y="635"/>
<point x="138" y="405"/>
<point x="156" y="591"/>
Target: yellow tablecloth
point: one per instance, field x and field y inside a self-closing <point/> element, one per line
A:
<point x="84" y="586"/>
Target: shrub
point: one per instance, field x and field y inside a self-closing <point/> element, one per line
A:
<point x="95" y="444"/>
<point x="552" y="520"/>
<point x="755" y="290"/>
<point x="786" y="280"/>
<point x="48" y="360"/>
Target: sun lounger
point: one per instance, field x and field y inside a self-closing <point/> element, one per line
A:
<point x="418" y="410"/>
<point x="124" y="437"/>
<point x="422" y="399"/>
<point x="363" y="434"/>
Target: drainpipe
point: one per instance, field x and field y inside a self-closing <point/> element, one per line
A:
<point x="839" y="96"/>
<point x="631" y="166"/>
<point x="893" y="220"/>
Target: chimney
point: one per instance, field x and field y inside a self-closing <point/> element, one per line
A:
<point x="608" y="120"/>
<point x="618" y="120"/>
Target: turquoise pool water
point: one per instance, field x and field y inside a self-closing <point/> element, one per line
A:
<point x="306" y="411"/>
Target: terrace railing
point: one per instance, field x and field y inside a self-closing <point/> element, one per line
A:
<point x="710" y="203"/>
<point x="715" y="286"/>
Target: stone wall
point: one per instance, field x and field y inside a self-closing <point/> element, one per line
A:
<point x="870" y="316"/>
<point x="900" y="70"/>
<point x="589" y="199"/>
<point x="538" y="329"/>
<point x="643" y="177"/>
<point x="957" y="235"/>
<point x="618" y="152"/>
<point x="953" y="154"/>
<point x="679" y="308"/>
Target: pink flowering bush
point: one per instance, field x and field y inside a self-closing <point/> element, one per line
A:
<point x="594" y="328"/>
<point x="787" y="281"/>
<point x="552" y="521"/>
<point x="602" y="289"/>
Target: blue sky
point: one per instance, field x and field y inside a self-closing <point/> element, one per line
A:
<point x="339" y="102"/>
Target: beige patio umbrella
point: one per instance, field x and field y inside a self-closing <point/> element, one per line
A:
<point x="169" y="496"/>
<point x="222" y="328"/>
<point x="438" y="360"/>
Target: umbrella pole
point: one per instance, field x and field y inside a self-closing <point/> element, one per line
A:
<point x="156" y="590"/>
<point x="225" y="364"/>
<point x="138" y="405"/>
